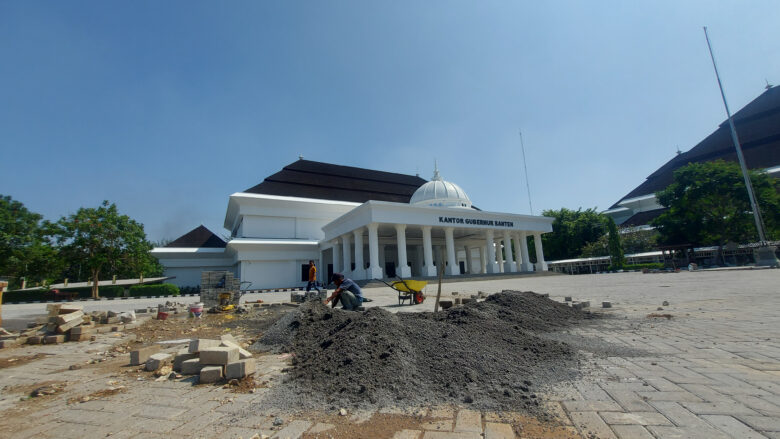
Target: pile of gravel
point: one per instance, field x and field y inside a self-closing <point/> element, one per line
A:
<point x="485" y="354"/>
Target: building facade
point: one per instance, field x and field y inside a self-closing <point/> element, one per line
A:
<point x="365" y="224"/>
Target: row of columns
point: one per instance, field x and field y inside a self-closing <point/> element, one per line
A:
<point x="342" y="252"/>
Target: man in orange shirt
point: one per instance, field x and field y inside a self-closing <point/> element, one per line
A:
<point x="312" y="278"/>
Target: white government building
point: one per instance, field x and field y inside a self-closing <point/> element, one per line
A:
<point x="363" y="223"/>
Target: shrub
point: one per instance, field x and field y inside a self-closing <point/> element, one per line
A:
<point x="190" y="290"/>
<point x="23" y="296"/>
<point x="154" y="290"/>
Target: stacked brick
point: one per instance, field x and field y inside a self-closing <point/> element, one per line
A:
<point x="214" y="283"/>
<point x="213" y="360"/>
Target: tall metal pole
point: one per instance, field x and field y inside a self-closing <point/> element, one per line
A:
<point x="740" y="157"/>
<point x="525" y="167"/>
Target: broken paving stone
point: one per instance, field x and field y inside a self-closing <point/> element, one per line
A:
<point x="666" y="303"/>
<point x="606" y="304"/>
<point x="342" y="412"/>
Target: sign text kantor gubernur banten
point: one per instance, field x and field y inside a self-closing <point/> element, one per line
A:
<point x="474" y="222"/>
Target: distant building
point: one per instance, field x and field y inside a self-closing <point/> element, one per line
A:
<point x="758" y="129"/>
<point x="364" y="223"/>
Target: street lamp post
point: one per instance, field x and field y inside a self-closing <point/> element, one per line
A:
<point x="764" y="254"/>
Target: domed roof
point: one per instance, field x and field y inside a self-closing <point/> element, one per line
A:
<point x="440" y="193"/>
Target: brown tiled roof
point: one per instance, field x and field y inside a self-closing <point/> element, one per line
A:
<point x="199" y="237"/>
<point x="308" y="179"/>
<point x="758" y="129"/>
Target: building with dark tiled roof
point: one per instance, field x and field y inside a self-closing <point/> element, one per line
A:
<point x="758" y="129"/>
<point x="364" y="223"/>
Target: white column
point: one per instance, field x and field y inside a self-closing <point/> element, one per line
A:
<point x="524" y="247"/>
<point x="400" y="236"/>
<point x="360" y="265"/>
<point x="346" y="244"/>
<point x="469" y="264"/>
<point x="321" y="267"/>
<point x="429" y="269"/>
<point x="518" y="252"/>
<point x="482" y="259"/>
<point x="499" y="256"/>
<point x="541" y="265"/>
<point x="453" y="268"/>
<point x="337" y="268"/>
<point x="374" y="270"/>
<point x="491" y="265"/>
<point x="510" y="266"/>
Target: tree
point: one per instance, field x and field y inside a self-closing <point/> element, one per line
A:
<point x="25" y="250"/>
<point x="572" y="231"/>
<point x="101" y="241"/>
<point x="614" y="244"/>
<point x="707" y="204"/>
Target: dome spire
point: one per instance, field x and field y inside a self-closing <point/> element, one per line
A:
<point x="436" y="176"/>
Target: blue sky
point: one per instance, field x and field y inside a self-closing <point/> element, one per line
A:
<point x="166" y="108"/>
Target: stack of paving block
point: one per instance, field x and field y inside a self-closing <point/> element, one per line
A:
<point x="214" y="360"/>
<point x="303" y="296"/>
<point x="214" y="283"/>
<point x="64" y="319"/>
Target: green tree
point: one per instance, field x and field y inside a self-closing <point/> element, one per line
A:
<point x="25" y="250"/>
<point x="639" y="241"/>
<point x="707" y="204"/>
<point x="103" y="242"/>
<point x="614" y="244"/>
<point x="572" y="231"/>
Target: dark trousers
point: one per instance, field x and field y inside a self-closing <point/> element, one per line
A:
<point x="313" y="284"/>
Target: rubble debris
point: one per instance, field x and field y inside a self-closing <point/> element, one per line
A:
<point x="606" y="304"/>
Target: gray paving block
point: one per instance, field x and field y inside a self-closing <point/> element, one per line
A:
<point x="191" y="367"/>
<point x="294" y="430"/>
<point x="221" y="355"/>
<point x="631" y="432"/>
<point x="240" y="369"/>
<point x="635" y="418"/>
<point x="210" y="374"/>
<point x="139" y="356"/>
<point x="732" y="427"/>
<point x="590" y="424"/>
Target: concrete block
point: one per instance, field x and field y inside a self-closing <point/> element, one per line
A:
<point x="78" y="330"/>
<point x="35" y="339"/>
<point x="112" y="320"/>
<point x="8" y="343"/>
<point x="240" y="369"/>
<point x="203" y="343"/>
<point x="210" y="374"/>
<point x="191" y="367"/>
<point x="182" y="356"/>
<point x="140" y="356"/>
<point x="242" y="353"/>
<point x="606" y="304"/>
<point x="80" y="337"/>
<point x="157" y="361"/>
<point x="65" y="318"/>
<point x="221" y="355"/>
<point x="102" y="329"/>
<point x="54" y="339"/>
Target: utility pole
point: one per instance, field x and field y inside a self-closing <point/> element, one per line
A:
<point x="765" y="254"/>
<point x="525" y="167"/>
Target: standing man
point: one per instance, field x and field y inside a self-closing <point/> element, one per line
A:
<point x="312" y="277"/>
<point x="347" y="291"/>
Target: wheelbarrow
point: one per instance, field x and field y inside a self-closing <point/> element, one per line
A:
<point x="411" y="290"/>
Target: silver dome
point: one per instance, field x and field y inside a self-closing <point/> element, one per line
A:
<point x="440" y="193"/>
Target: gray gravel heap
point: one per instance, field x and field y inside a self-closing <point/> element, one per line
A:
<point x="484" y="354"/>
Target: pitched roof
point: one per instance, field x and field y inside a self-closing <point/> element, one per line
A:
<point x="642" y="218"/>
<point x="308" y="179"/>
<point x="199" y="237"/>
<point x="758" y="129"/>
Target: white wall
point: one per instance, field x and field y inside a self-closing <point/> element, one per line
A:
<point x="267" y="227"/>
<point x="272" y="274"/>
<point x="189" y="276"/>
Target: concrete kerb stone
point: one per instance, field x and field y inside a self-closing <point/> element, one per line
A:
<point x="191" y="367"/>
<point x="156" y="361"/>
<point x="221" y="355"/>
<point x="210" y="374"/>
<point x="139" y="356"/>
<point x="240" y="369"/>
<point x="182" y="356"/>
<point x="203" y="343"/>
